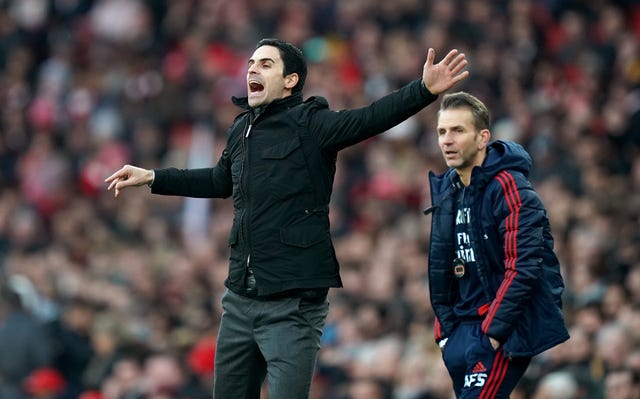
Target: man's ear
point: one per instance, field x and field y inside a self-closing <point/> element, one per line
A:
<point x="291" y="80"/>
<point x="485" y="137"/>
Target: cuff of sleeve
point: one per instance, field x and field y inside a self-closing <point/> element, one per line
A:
<point x="153" y="178"/>
<point x="425" y="91"/>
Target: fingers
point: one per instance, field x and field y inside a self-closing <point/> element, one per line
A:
<point x="128" y="176"/>
<point x="457" y="69"/>
<point x="113" y="183"/>
<point x="450" y="56"/>
<point x="431" y="56"/>
<point x="442" y="76"/>
<point x="460" y="76"/>
<point x="117" y="183"/>
<point x="452" y="64"/>
<point x="120" y="183"/>
<point x="458" y="64"/>
<point x="119" y="174"/>
<point x="118" y="180"/>
<point x="455" y="63"/>
<point x="454" y="60"/>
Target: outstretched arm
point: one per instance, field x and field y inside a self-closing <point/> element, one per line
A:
<point x="129" y="176"/>
<point x="337" y="130"/>
<point x="440" y="77"/>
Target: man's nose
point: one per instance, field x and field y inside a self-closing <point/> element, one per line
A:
<point x="446" y="138"/>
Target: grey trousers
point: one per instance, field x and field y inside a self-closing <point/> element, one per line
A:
<point x="277" y="339"/>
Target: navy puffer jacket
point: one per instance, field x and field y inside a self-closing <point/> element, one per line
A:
<point x="517" y="266"/>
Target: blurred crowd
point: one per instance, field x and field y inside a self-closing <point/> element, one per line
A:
<point x="107" y="298"/>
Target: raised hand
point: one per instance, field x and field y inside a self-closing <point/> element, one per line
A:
<point x="128" y="176"/>
<point x="442" y="76"/>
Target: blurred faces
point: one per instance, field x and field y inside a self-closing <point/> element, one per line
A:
<point x="462" y="145"/>
<point x="265" y="80"/>
<point x="620" y="384"/>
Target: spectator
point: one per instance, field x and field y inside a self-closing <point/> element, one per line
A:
<point x="556" y="385"/>
<point x="25" y="349"/>
<point x="613" y="343"/>
<point x="45" y="383"/>
<point x="622" y="384"/>
<point x="72" y="348"/>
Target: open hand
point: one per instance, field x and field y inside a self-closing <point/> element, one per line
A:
<point x="442" y="76"/>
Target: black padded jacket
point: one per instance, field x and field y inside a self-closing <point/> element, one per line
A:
<point x="279" y="166"/>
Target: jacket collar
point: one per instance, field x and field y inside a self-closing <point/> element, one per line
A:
<point x="277" y="104"/>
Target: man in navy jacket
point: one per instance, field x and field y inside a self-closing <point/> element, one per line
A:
<point x="494" y="278"/>
<point x="278" y="167"/>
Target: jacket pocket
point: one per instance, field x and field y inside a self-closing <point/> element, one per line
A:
<point x="281" y="150"/>
<point x="303" y="236"/>
<point x="284" y="169"/>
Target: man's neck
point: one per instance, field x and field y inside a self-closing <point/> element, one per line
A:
<point x="465" y="176"/>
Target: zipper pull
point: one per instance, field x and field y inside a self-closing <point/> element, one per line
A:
<point x="248" y="131"/>
<point x="250" y="278"/>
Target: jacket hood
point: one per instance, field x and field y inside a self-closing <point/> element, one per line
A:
<point x="505" y="155"/>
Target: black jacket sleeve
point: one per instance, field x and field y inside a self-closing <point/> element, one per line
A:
<point x="199" y="183"/>
<point x="336" y="130"/>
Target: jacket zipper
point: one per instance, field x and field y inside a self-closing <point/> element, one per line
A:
<point x="250" y="280"/>
<point x="476" y="245"/>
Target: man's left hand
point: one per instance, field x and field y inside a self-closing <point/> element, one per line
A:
<point x="442" y="76"/>
<point x="494" y="343"/>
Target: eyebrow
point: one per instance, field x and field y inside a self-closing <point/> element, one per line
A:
<point x="251" y="60"/>
<point x="450" y="127"/>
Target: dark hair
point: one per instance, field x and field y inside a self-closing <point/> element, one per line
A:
<point x="292" y="58"/>
<point x="461" y="99"/>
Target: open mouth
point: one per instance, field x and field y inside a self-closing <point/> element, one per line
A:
<point x="450" y="154"/>
<point x="255" y="87"/>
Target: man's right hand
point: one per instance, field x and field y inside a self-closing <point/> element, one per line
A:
<point x="129" y="176"/>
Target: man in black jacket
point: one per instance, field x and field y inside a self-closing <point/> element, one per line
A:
<point x="278" y="166"/>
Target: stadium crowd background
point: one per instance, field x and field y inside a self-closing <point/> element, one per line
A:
<point x="121" y="297"/>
